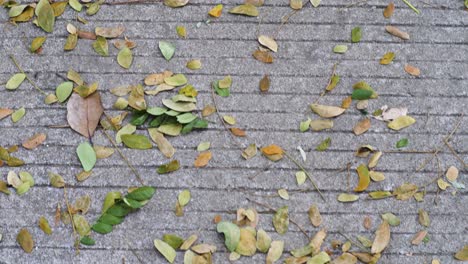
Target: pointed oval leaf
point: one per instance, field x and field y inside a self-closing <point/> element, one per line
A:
<point x="166" y="250"/>
<point x="167" y="49"/>
<point x="231" y="233"/>
<point x="15" y="81"/>
<point x="125" y="58"/>
<point x="86" y="155"/>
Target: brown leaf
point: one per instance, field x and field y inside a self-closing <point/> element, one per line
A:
<point x="272" y="150"/>
<point x="25" y="240"/>
<point x="418" y="238"/>
<point x="317" y="241"/>
<point x="412" y="70"/>
<point x="4" y="112"/>
<point x="203" y="159"/>
<point x="346" y="103"/>
<point x="264" y="84"/>
<point x="237" y="132"/>
<point x="86" y="35"/>
<point x="314" y="216"/>
<point x="157" y="78"/>
<point x="382" y="238"/>
<point x="83" y="114"/>
<point x="163" y="144"/>
<point x="208" y="110"/>
<point x="109" y="32"/>
<point x="388" y="11"/>
<point x="367" y="223"/>
<point x="397" y="32"/>
<point x="34" y="141"/>
<point x="362" y="126"/>
<point x="263" y="56"/>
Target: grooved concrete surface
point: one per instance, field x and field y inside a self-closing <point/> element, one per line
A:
<point x="301" y="70"/>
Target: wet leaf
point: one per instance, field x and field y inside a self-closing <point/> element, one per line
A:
<point x="25" y="240"/>
<point x="281" y="220"/>
<point x="324" y="145"/>
<point x="264" y="84"/>
<point x="275" y="251"/>
<point x="340" y="49"/>
<point x="388" y="11"/>
<point x="247" y="10"/>
<point x="202" y="159"/>
<point x="231" y="232"/>
<point x="34" y="141"/>
<point x="175" y="3"/>
<point x="269" y="42"/>
<point x="134" y="141"/>
<point x="423" y="218"/>
<point x="356" y="35"/>
<point x="166" y="250"/>
<point x="327" y="111"/>
<point x="194" y="64"/>
<point x="86" y="155"/>
<point x="181" y="31"/>
<point x="216" y="12"/>
<point x="362" y="126"/>
<point x="387" y="58"/>
<point x="125" y="58"/>
<point x="169" y="167"/>
<point x="45" y="15"/>
<point x="263" y="56"/>
<point x="405" y="191"/>
<point x="401" y="122"/>
<point x="412" y="70"/>
<point x="167" y="49"/>
<point x="100" y="46"/>
<point x="15" y="81"/>
<point x="163" y="144"/>
<point x="419" y="237"/>
<point x="109" y="32"/>
<point x="18" y="114"/>
<point x="382" y="238"/>
<point x="263" y="241"/>
<point x="347" y="197"/>
<point x="397" y="32"/>
<point x="83" y="114"/>
<point x="314" y="216"/>
<point x="462" y="254"/>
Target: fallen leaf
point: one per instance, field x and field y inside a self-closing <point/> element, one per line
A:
<point x="4" y="112"/>
<point x="181" y="31"/>
<point x="44" y="225"/>
<point x="237" y="132"/>
<point x="452" y="174"/>
<point x="167" y="49"/>
<point x="324" y="144"/>
<point x="86" y="155"/>
<point x="327" y="111"/>
<point x="412" y="70"/>
<point x="397" y="32"/>
<point x="83" y="114"/>
<point x="387" y="58"/>
<point x="176" y="80"/>
<point x="250" y="151"/>
<point x="246" y="9"/>
<point x="15" y="81"/>
<point x="134" y="141"/>
<point x="317" y="241"/>
<point x="376" y="176"/>
<point x="109" y="32"/>
<point x="263" y="241"/>
<point x="364" y="178"/>
<point x="202" y="159"/>
<point x="263" y="56"/>
<point x="374" y="159"/>
<point x="314" y="216"/>
<point x="184" y="197"/>
<point x="25" y="240"/>
<point x="169" y="167"/>
<point x="402" y="143"/>
<point x="216" y="12"/>
<point x="462" y="254"/>
<point x="275" y="251"/>
<point x="340" y="49"/>
<point x="194" y="64"/>
<point x="166" y="250"/>
<point x="401" y="122"/>
<point x="207" y="110"/>
<point x="125" y="58"/>
<point x="176" y="3"/>
<point x="34" y="141"/>
<point x="315" y="3"/>
<point x="63" y="91"/>
<point x="356" y="34"/>
<point x="71" y="42"/>
<point x="268" y="42"/>
<point x="382" y="238"/>
<point x="163" y="144"/>
<point x="392" y="219"/>
<point x="295" y="4"/>
<point x="405" y="191"/>
<point x="388" y="11"/>
<point x="264" y="84"/>
<point x="18" y="114"/>
<point x="45" y="15"/>
<point x="419" y="237"/>
<point x="203" y="248"/>
<point x="362" y="126"/>
<point x="423" y="218"/>
<point x="443" y="185"/>
<point x="346" y="197"/>
<point x="232" y="234"/>
<point x="100" y="46"/>
<point x="281" y="220"/>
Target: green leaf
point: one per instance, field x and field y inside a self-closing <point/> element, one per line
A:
<point x="127" y="129"/>
<point x="184" y="197"/>
<point x="87" y="156"/>
<point x="136" y="141"/>
<point x="156" y="111"/>
<point x="87" y="241"/>
<point x="225" y="83"/>
<point x="167" y="49"/>
<point x="133" y="203"/>
<point x="15" y="81"/>
<point x="173" y="240"/>
<point x="63" y="91"/>
<point x="186" y="118"/>
<point x="119" y="210"/>
<point x="18" y="114"/>
<point x="100" y="46"/>
<point x="109" y="201"/>
<point x="109" y="219"/>
<point x="221" y="92"/>
<point x="392" y="219"/>
<point x="361" y="94"/>
<point x="402" y="143"/>
<point x="340" y="49"/>
<point x="81" y="224"/>
<point x="304" y="126"/>
<point x="71" y="42"/>
<point x="324" y="145"/>
<point x="102" y="228"/>
<point x="335" y="79"/>
<point x="171" y="129"/>
<point x="231" y="234"/>
<point x="93" y="8"/>
<point x="37" y="43"/>
<point x="139" y="118"/>
<point x="176" y="80"/>
<point x="281" y="220"/>
<point x="205" y="145"/>
<point x="16" y="10"/>
<point x="75" y="4"/>
<point x="169" y="167"/>
<point x="356" y="34"/>
<point x="246" y="10"/>
<point x="179" y="106"/>
<point x="45" y="15"/>
<point x="142" y="193"/>
<point x="347" y="197"/>
<point x="166" y="250"/>
<point x="125" y="58"/>
<point x="315" y="3"/>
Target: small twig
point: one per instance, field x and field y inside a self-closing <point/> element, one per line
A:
<point x="124" y="158"/>
<point x="411" y="6"/>
<point x="58" y="126"/>
<point x="455" y="153"/>
<point x="410" y="151"/>
<point x="27" y="77"/>
<point x="354" y="242"/>
<point x="307" y="174"/>
<point x="329" y="82"/>
<point x="274" y="210"/>
<point x="77" y="245"/>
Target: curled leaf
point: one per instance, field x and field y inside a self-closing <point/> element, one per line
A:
<point x="231" y="233"/>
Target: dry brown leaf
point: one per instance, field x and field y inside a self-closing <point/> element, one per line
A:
<point x="208" y="110"/>
<point x="237" y="132"/>
<point x="109" y="32"/>
<point x="263" y="56"/>
<point x="362" y="126"/>
<point x="418" y="238"/>
<point x="163" y="144"/>
<point x="346" y="103"/>
<point x="264" y="83"/>
<point x="382" y="238"/>
<point x="25" y="240"/>
<point x="202" y="159"/>
<point x="397" y="32"/>
<point x="34" y="141"/>
<point x="452" y="174"/>
<point x="327" y="111"/>
<point x="272" y="150"/>
<point x="317" y="240"/>
<point x="412" y="70"/>
<point x="268" y="42"/>
<point x="103" y="152"/>
<point x="4" y="112"/>
<point x="83" y="114"/>
<point x="388" y="11"/>
<point x="314" y="216"/>
<point x="86" y="35"/>
<point x="157" y="78"/>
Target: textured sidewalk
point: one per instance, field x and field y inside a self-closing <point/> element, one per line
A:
<point x="300" y="72"/>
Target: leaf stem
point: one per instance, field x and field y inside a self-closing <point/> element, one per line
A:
<point x="411" y="6"/>
<point x="27" y="77"/>
<point x="306" y="172"/>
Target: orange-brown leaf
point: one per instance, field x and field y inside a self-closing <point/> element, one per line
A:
<point x="203" y="159"/>
<point x="346" y="103"/>
<point x="412" y="70"/>
<point x="4" y="112"/>
<point x="382" y="238"/>
<point x="362" y="126"/>
<point x="388" y="11"/>
<point x="272" y="150"/>
<point x="34" y="141"/>
<point x="264" y="83"/>
<point x="263" y="56"/>
<point x="237" y="132"/>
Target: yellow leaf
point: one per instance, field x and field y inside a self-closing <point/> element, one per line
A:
<point x="216" y="11"/>
<point x="382" y="238"/>
<point x="364" y="178"/>
<point x="401" y="122"/>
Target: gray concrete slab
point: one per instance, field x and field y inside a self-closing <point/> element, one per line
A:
<point x="438" y="46"/>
